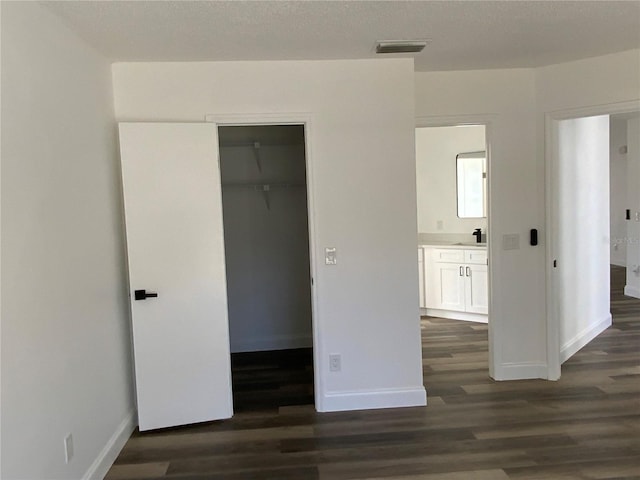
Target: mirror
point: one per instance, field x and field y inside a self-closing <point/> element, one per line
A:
<point x="471" y="183"/>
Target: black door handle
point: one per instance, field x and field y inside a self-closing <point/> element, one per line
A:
<point x="142" y="294"/>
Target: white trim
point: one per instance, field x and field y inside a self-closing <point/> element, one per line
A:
<point x="239" y="119"/>
<point x="593" y="110"/>
<point x="551" y="119"/>
<point x="467" y="317"/>
<point x="631" y="291"/>
<point x="583" y="338"/>
<point x="272" y="342"/>
<point x="453" y="120"/>
<point x="553" y="333"/>
<point x="494" y="254"/>
<point x="521" y="371"/>
<point x="308" y="120"/>
<point x="103" y="462"/>
<point x="370" y="399"/>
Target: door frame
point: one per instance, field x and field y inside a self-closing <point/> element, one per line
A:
<point x="551" y="121"/>
<point x="307" y="121"/>
<point x="488" y="121"/>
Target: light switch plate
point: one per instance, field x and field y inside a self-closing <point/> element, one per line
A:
<point x="511" y="241"/>
<point x="330" y="256"/>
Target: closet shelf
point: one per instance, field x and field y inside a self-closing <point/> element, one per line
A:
<point x="259" y="144"/>
<point x="262" y="185"/>
<point x="256" y="146"/>
<point x="265" y="188"/>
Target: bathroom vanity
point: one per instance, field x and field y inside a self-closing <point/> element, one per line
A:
<point x="454" y="281"/>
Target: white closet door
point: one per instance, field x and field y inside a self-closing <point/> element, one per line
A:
<point x="173" y="211"/>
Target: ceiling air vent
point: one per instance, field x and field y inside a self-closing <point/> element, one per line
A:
<point x="401" y="46"/>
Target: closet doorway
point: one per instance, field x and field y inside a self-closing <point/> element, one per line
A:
<point x="267" y="256"/>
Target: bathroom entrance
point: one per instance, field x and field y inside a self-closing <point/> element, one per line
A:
<point x="452" y="192"/>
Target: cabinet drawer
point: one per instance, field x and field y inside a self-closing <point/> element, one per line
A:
<point x="478" y="257"/>
<point x="448" y="255"/>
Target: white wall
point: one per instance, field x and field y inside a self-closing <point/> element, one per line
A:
<point x="583" y="231"/>
<point x="362" y="180"/>
<point x="266" y="246"/>
<point x="504" y="98"/>
<point x="632" y="288"/>
<point x="594" y="81"/>
<point x="65" y="331"/>
<point x="436" y="150"/>
<point x="618" y="179"/>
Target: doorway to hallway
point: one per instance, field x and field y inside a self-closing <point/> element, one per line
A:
<point x="585" y="222"/>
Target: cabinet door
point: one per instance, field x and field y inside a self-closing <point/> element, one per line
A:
<point x="421" y="282"/>
<point x="431" y="280"/>
<point x="448" y="287"/>
<point x="476" y="289"/>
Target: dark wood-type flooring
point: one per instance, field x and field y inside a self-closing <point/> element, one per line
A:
<point x="264" y="381"/>
<point x="584" y="426"/>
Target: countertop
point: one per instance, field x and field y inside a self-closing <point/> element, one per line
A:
<point x="457" y="245"/>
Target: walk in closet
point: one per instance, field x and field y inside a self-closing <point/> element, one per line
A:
<point x="266" y="234"/>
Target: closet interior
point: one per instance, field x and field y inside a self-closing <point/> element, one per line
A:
<point x="264" y="198"/>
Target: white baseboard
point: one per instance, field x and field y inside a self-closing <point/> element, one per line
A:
<point x="370" y="399"/>
<point x="520" y="371"/>
<point x="630" y="291"/>
<point x="274" y="342"/>
<point x="469" y="317"/>
<point x="109" y="453"/>
<point x="583" y="338"/>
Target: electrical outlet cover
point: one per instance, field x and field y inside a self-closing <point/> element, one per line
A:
<point x="334" y="363"/>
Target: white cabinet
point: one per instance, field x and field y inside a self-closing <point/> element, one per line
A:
<point x="446" y="286"/>
<point x="455" y="282"/>
<point x="476" y="289"/>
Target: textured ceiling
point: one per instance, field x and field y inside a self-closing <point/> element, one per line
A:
<point x="464" y="34"/>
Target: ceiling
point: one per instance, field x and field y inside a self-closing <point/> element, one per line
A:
<point x="463" y="35"/>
